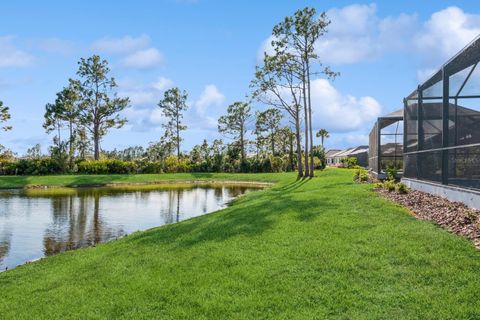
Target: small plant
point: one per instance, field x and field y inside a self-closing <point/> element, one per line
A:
<point x="378" y="185"/>
<point x="391" y="173"/>
<point x="389" y="185"/>
<point x="402" y="188"/>
<point x="349" y="162"/>
<point x="360" y="175"/>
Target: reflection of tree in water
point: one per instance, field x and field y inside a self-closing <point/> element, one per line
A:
<point x="76" y="223"/>
<point x="172" y="214"/>
<point x="5" y="241"/>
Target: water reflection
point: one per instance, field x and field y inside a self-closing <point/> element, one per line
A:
<point x="43" y="224"/>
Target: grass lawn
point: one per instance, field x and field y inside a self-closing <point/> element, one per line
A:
<point x="312" y="249"/>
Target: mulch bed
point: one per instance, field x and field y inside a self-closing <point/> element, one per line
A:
<point x="452" y="216"/>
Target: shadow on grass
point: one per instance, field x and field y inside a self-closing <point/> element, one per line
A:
<point x="293" y="185"/>
<point x="248" y="217"/>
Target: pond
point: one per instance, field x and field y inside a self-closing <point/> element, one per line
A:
<point x="38" y="223"/>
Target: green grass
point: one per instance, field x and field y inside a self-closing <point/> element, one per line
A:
<point x="11" y="182"/>
<point x="312" y="249"/>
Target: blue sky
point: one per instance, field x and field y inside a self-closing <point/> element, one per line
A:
<point x="210" y="48"/>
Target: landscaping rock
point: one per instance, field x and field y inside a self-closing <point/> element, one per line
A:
<point x="452" y="216"/>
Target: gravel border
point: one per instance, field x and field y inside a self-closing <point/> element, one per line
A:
<point x="453" y="216"/>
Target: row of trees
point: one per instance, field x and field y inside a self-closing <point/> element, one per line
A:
<point x="88" y="107"/>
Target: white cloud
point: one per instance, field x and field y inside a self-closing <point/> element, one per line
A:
<point x="341" y="113"/>
<point x="11" y="56"/>
<point x="144" y="115"/>
<point x="57" y="45"/>
<point x="121" y="45"/>
<point x="444" y="34"/>
<point x="141" y="94"/>
<point x="139" y="97"/>
<point x="142" y="59"/>
<point x="156" y="117"/>
<point x="357" y="34"/>
<point x="265" y="47"/>
<point x="162" y="84"/>
<point x="210" y="96"/>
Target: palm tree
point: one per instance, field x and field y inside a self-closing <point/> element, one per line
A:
<point x="322" y="134"/>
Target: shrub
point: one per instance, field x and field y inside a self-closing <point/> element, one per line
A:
<point x="391" y="173"/>
<point x="378" y="185"/>
<point x="149" y="166"/>
<point x="349" y="162"/>
<point x="318" y="163"/>
<point x="120" y="167"/>
<point x="389" y="185"/>
<point x="277" y="164"/>
<point x="361" y="175"/>
<point x="402" y="188"/>
<point x="174" y="164"/>
<point x="106" y="167"/>
<point x="93" y="167"/>
<point x="39" y="166"/>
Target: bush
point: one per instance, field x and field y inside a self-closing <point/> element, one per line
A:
<point x="277" y="164"/>
<point x="174" y="164"/>
<point x="40" y="166"/>
<point x="378" y="185"/>
<point x="106" y="167"/>
<point x="402" y="188"/>
<point x="389" y="185"/>
<point x="391" y="173"/>
<point x="349" y="162"/>
<point x="149" y="167"/>
<point x="361" y="175"/>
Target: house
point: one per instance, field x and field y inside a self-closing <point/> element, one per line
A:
<point x="360" y="153"/>
<point x="329" y="154"/>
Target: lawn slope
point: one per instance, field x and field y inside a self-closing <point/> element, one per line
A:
<point x="311" y="249"/>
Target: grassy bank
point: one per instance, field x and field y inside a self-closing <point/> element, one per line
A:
<point x="10" y="182"/>
<point x="312" y="249"/>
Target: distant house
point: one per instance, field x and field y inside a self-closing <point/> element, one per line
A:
<point x="329" y="156"/>
<point x="360" y="152"/>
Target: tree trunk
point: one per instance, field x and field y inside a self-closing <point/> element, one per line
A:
<point x="272" y="135"/>
<point x="312" y="172"/>
<point x="242" y="144"/>
<point x="305" y="107"/>
<point x="71" y="150"/>
<point x="299" y="146"/>
<point x="59" y="137"/>
<point x="96" y="143"/>
<point x="290" y="153"/>
<point x="178" y="136"/>
<point x="178" y="145"/>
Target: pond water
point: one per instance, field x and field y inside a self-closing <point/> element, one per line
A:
<point x="39" y="223"/>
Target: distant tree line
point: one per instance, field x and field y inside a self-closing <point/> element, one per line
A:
<point x="277" y="138"/>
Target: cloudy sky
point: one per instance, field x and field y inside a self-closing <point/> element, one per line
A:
<point x="383" y="49"/>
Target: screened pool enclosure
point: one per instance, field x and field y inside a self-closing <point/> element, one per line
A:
<point x="442" y="124"/>
<point x="386" y="144"/>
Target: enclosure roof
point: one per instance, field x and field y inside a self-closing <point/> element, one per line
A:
<point x="469" y="55"/>
<point x="398" y="115"/>
<point x="386" y="120"/>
